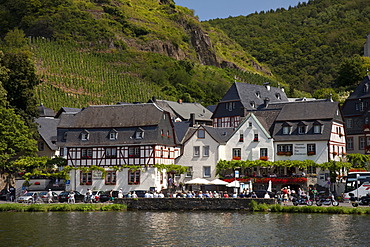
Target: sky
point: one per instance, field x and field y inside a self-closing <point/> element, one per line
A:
<point x="212" y="9"/>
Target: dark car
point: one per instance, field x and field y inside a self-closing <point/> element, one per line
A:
<point x="63" y="197"/>
<point x="44" y="196"/>
<point x="104" y="197"/>
<point x="3" y="195"/>
<point x="139" y="193"/>
<point x="261" y="193"/>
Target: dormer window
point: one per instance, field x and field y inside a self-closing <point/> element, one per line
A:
<point x="113" y="135"/>
<point x="366" y="88"/>
<point x="139" y="134"/>
<point x="317" y="128"/>
<point x="278" y="96"/>
<point x="302" y="128"/>
<point x="253" y="105"/>
<point x="286" y="129"/>
<point x="65" y="136"/>
<point x="258" y="94"/>
<point x="85" y="135"/>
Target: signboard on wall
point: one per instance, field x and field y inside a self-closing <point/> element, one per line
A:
<point x="300" y="149"/>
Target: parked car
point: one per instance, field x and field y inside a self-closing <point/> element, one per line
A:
<point x="261" y="193"/>
<point x="139" y="193"/>
<point x="29" y="197"/>
<point x="3" y="195"/>
<point x="44" y="196"/>
<point x="63" y="196"/>
<point x="105" y="196"/>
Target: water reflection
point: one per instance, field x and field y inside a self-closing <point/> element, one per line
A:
<point x="181" y="229"/>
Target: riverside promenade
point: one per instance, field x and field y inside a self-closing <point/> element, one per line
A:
<point x="191" y="203"/>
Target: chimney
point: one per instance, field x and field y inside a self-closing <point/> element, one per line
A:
<point x="154" y="99"/>
<point x="179" y="101"/>
<point x="192" y="119"/>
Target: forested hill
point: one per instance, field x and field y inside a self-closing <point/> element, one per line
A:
<point x="308" y="45"/>
<point x="107" y="51"/>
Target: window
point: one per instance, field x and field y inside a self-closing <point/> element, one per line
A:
<point x="206" y="171"/>
<point x="241" y="136"/>
<point x="249" y="124"/>
<point x="111" y="178"/>
<point x="284" y="149"/>
<point x="362" y="106"/>
<point x="134" y="152"/>
<point x="85" y="136"/>
<point x="86" y="153"/>
<point x="113" y="135"/>
<point x="201" y="133"/>
<point x="278" y="96"/>
<point x="86" y="178"/>
<point x="255" y="139"/>
<point x="189" y="173"/>
<point x="317" y="129"/>
<point x="65" y="136"/>
<point x="263" y="154"/>
<point x="301" y="130"/>
<point x="362" y="142"/>
<point x="196" y="151"/>
<point x="349" y="123"/>
<point x="206" y="151"/>
<point x="169" y="153"/>
<point x="286" y="130"/>
<point x="133" y="177"/>
<point x="41" y="146"/>
<point x="111" y="152"/>
<point x="311" y="149"/>
<point x="253" y="105"/>
<point x="61" y="152"/>
<point x="237" y="153"/>
<point x="311" y="170"/>
<point x="258" y="94"/>
<point x="139" y="134"/>
<point x="230" y="106"/>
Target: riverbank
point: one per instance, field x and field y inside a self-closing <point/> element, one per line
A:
<point x="60" y="207"/>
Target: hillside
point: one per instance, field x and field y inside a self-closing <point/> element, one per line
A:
<point x="105" y="51"/>
<point x="304" y="45"/>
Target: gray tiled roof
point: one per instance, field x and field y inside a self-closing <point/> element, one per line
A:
<point x="359" y="91"/>
<point x="47" y="128"/>
<point x="67" y="110"/>
<point x="183" y="110"/>
<point x="221" y="135"/>
<point x="45" y="112"/>
<point x="113" y="116"/>
<point x="247" y="93"/>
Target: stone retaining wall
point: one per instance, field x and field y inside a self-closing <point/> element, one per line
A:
<point x="190" y="203"/>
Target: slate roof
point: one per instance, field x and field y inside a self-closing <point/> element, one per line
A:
<point x="359" y="92"/>
<point x="181" y="129"/>
<point x="183" y="110"/>
<point x="247" y="93"/>
<point x="47" y="128"/>
<point x="67" y="110"/>
<point x="308" y="113"/>
<point x="114" y="116"/>
<point x="45" y="112"/>
<point x="221" y="135"/>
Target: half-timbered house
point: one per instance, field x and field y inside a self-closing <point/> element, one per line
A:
<point x="126" y="140"/>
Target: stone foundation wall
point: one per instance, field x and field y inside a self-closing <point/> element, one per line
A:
<point x="190" y="203"/>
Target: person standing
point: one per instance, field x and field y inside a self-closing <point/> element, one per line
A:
<point x="120" y="193"/>
<point x="71" y="197"/>
<point x="50" y="196"/>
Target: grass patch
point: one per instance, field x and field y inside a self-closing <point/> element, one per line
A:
<point x="255" y="207"/>
<point x="59" y="207"/>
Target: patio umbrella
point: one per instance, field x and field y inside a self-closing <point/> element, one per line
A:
<point x="235" y="184"/>
<point x="218" y="182"/>
<point x="269" y="189"/>
<point x="198" y="181"/>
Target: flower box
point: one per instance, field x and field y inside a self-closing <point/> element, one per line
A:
<point x="236" y="158"/>
<point x="311" y="153"/>
<point x="255" y="139"/>
<point x="265" y="158"/>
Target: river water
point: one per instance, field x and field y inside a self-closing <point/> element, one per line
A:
<point x="139" y="228"/>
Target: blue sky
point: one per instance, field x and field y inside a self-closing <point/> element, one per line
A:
<point x="211" y="9"/>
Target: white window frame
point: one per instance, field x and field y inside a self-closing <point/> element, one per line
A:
<point x="196" y="151"/>
<point x="205" y="151"/>
<point x="286" y="130"/>
<point x="317" y="129"/>
<point x="207" y="171"/>
<point x="189" y="173"/>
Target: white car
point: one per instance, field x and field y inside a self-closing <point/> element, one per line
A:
<point x="29" y="197"/>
